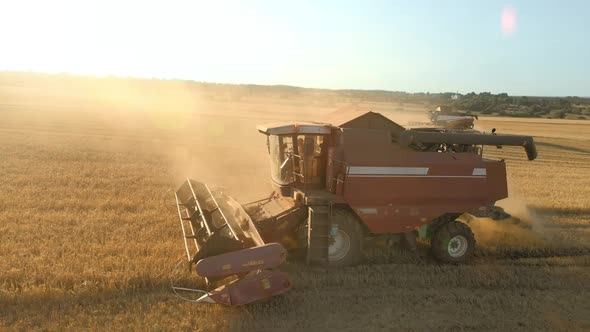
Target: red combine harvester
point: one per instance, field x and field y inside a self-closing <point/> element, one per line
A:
<point x="445" y="117"/>
<point x="339" y="184"/>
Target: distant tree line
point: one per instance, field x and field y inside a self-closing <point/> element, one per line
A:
<point x="522" y="106"/>
<point x="477" y="103"/>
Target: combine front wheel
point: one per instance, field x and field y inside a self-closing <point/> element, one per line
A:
<point x="346" y="237"/>
<point x="453" y="242"/>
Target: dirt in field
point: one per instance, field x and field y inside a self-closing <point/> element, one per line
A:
<point x="87" y="239"/>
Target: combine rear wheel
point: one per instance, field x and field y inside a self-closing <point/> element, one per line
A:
<point x="346" y="235"/>
<point x="453" y="242"/>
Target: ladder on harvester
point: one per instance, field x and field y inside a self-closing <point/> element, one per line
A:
<point x="318" y="235"/>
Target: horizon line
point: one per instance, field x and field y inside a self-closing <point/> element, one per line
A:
<point x="155" y="78"/>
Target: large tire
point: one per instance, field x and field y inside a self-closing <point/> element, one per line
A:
<point x="453" y="242"/>
<point x="346" y="238"/>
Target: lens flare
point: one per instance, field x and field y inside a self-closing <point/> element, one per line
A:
<point x="508" y="21"/>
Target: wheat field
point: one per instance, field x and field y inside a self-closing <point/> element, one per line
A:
<point x="88" y="239"/>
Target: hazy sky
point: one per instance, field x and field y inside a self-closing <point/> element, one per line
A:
<point x="520" y="47"/>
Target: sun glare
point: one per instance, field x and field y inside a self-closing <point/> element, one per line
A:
<point x="167" y="39"/>
<point x="508" y="21"/>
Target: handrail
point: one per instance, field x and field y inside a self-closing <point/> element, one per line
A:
<point x="292" y="156"/>
<point x="335" y="176"/>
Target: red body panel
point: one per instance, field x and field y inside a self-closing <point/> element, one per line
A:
<point x="251" y="288"/>
<point x="256" y="258"/>
<point x="405" y="189"/>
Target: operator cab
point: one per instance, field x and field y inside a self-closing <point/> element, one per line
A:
<point x="297" y="154"/>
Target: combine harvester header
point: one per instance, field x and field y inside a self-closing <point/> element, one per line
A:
<point x="221" y="241"/>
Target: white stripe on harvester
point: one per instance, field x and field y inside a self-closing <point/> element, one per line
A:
<point x="479" y="171"/>
<point x="417" y="176"/>
<point x="366" y="170"/>
<point x="367" y="211"/>
<point x="406" y="172"/>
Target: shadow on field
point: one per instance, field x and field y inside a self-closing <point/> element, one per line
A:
<point x="532" y="252"/>
<point x="563" y="147"/>
<point x="42" y="304"/>
<point x="145" y="309"/>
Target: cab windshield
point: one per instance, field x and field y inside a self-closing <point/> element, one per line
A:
<point x="281" y="168"/>
<point x="299" y="154"/>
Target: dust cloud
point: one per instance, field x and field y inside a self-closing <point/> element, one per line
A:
<point x="409" y="119"/>
<point x="526" y="228"/>
<point x="197" y="134"/>
<point x="222" y="151"/>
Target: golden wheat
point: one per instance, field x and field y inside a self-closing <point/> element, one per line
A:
<point x="87" y="238"/>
